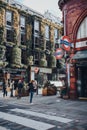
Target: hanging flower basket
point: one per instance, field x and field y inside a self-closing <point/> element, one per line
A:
<point x="43" y="62"/>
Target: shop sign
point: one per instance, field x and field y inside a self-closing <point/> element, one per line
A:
<point x="65" y="41"/>
<point x="59" y="53"/>
<point x="81" y="44"/>
<point x="36" y="69"/>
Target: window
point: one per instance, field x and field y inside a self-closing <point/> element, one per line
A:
<point x="9" y="35"/>
<point x="56" y="35"/>
<point x="8" y="18"/>
<point x="22" y="23"/>
<point x="48" y="45"/>
<point x="36" y="42"/>
<point x="36" y="58"/>
<point x="36" y="26"/>
<point x="22" y="30"/>
<point x="82" y="31"/>
<point x="24" y="58"/>
<point x="47" y="32"/>
<point x="22" y="38"/>
<point x="9" y="30"/>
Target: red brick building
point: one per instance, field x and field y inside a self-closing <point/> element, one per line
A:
<point x="75" y="27"/>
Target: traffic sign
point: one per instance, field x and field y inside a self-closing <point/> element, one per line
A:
<point x="66" y="43"/>
<point x="59" y="53"/>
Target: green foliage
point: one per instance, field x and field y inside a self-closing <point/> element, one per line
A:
<point x="1" y="34"/>
<point x="43" y="62"/>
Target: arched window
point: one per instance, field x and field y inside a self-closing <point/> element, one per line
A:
<point x="82" y="31"/>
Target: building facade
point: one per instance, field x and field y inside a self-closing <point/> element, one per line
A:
<point x="75" y="27"/>
<point x="27" y="41"/>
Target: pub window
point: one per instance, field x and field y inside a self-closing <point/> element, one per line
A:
<point x="36" y="58"/>
<point x="48" y="45"/>
<point x="8" y="18"/>
<point x="36" y="42"/>
<point x="22" y="23"/>
<point x="47" y="32"/>
<point x="22" y="30"/>
<point x="36" y="26"/>
<point x="24" y="61"/>
<point x="56" y="35"/>
<point x="23" y="38"/>
<point x="9" y="35"/>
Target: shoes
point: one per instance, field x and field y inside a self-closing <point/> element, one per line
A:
<point x="31" y="103"/>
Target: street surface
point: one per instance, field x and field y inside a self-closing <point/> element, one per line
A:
<point x="46" y="113"/>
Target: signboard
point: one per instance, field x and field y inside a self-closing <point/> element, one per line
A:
<point x="81" y="44"/>
<point x="66" y="43"/>
<point x="59" y="53"/>
<point x="36" y="69"/>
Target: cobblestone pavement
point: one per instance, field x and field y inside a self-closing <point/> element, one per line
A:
<point x="55" y="113"/>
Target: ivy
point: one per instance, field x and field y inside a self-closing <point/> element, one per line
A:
<point x="1" y="34"/>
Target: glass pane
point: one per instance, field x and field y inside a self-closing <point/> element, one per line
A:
<point x="82" y="31"/>
<point x="22" y="21"/>
<point x="36" y="25"/>
<point x="47" y="31"/>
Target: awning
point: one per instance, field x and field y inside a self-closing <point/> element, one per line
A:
<point x="80" y="55"/>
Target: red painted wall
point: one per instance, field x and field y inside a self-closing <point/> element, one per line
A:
<point x="76" y="11"/>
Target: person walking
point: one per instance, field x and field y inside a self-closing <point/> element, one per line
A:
<point x="31" y="90"/>
<point x="4" y="88"/>
<point x="20" y="86"/>
<point x="12" y="87"/>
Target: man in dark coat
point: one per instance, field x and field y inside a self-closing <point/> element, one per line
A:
<point x="20" y="86"/>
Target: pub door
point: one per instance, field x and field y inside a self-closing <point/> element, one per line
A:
<point x="84" y="81"/>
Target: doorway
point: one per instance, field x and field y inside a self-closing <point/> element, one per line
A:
<point x="84" y="81"/>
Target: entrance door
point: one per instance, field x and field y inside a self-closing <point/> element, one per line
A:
<point x="84" y="81"/>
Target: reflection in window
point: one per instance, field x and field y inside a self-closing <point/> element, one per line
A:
<point x="47" y="32"/>
<point x="22" y="30"/>
<point x="56" y="35"/>
<point x="9" y="18"/>
<point x="36" y="26"/>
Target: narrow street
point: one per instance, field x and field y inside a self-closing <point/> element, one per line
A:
<point x="46" y="113"/>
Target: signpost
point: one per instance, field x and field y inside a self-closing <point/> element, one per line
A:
<point x="59" y="53"/>
<point x="66" y="43"/>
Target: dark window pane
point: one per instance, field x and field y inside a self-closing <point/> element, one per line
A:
<point x="9" y="35"/>
<point x="48" y="45"/>
<point x="22" y="39"/>
<point x="24" y="58"/>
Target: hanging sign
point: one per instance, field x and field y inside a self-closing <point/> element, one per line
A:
<point x="59" y="53"/>
<point x="65" y="41"/>
<point x="36" y="69"/>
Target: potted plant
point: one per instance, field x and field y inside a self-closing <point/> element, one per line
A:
<point x="49" y="89"/>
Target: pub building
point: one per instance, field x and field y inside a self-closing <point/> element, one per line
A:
<point x="27" y="42"/>
<point x="74" y="19"/>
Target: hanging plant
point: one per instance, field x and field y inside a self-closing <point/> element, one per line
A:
<point x="30" y="60"/>
<point x="43" y="62"/>
<point x="16" y="56"/>
<point x="1" y="34"/>
<point x="52" y="61"/>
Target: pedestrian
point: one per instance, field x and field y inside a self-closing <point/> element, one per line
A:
<point x="31" y="90"/>
<point x="12" y="87"/>
<point x="4" y="88"/>
<point x="19" y="86"/>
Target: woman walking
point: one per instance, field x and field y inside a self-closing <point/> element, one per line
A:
<point x="31" y="90"/>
